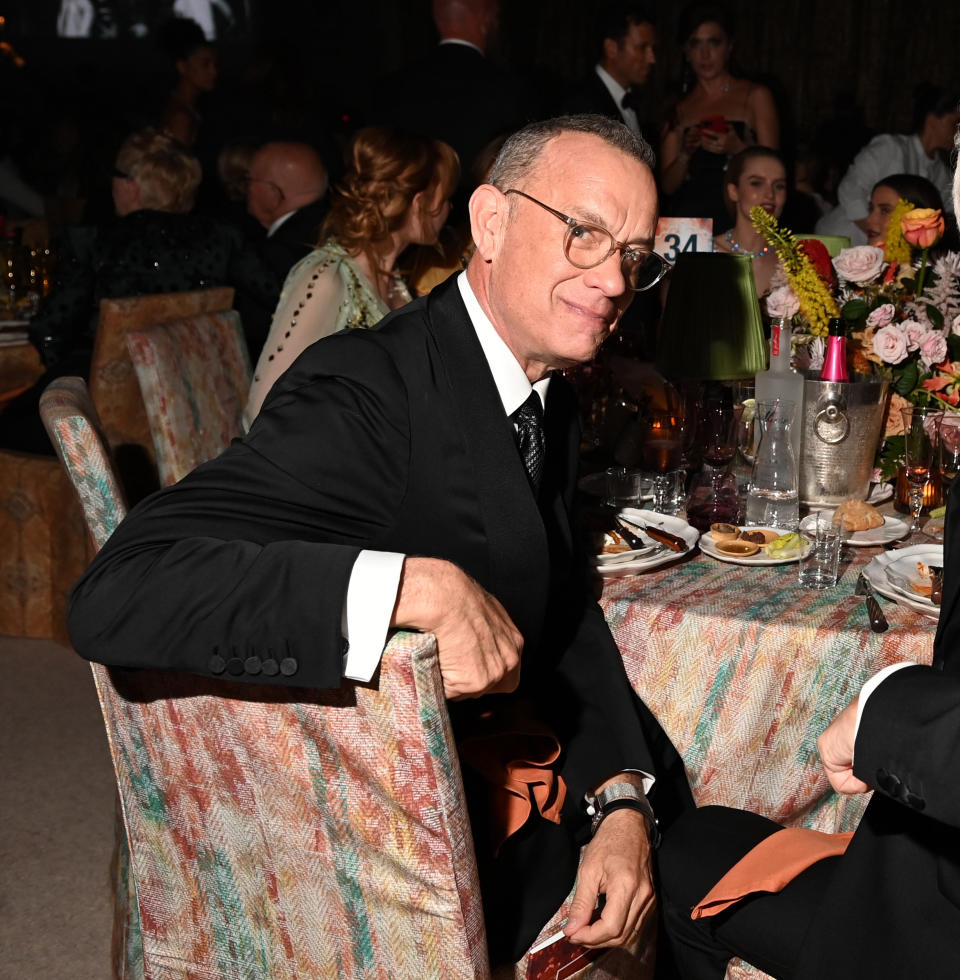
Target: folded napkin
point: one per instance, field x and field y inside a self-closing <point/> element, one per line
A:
<point x="514" y="754"/>
<point x="770" y="866"/>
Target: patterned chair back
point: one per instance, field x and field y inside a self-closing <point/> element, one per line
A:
<point x="113" y="383"/>
<point x="194" y="376"/>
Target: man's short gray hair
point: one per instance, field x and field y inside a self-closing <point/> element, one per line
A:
<point x="519" y="154"/>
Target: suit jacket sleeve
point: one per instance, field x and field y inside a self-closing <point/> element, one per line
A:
<point x="908" y="743"/>
<point x="250" y="556"/>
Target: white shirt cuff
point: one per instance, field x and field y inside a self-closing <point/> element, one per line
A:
<point x="871" y="685"/>
<point x="371" y="597"/>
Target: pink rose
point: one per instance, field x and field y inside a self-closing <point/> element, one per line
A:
<point x="916" y="333"/>
<point x="933" y="348"/>
<point x="890" y="343"/>
<point x="860" y="264"/>
<point x="782" y="301"/>
<point x="882" y="315"/>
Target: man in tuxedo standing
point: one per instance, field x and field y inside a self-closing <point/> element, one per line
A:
<point x="422" y="475"/>
<point x="889" y="906"/>
<point x="626" y="39"/>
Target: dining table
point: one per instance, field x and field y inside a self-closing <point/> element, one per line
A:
<point x="744" y="669"/>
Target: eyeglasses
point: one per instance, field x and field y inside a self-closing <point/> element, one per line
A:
<point x="247" y="180"/>
<point x="586" y="246"/>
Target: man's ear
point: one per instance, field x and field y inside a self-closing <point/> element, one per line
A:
<point x="488" y="216"/>
<point x="610" y="49"/>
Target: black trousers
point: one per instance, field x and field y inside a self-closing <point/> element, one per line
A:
<point x="767" y="930"/>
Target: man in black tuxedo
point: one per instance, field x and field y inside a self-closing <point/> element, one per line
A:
<point x="381" y="485"/>
<point x="286" y="192"/>
<point x="626" y="43"/>
<point x="456" y="93"/>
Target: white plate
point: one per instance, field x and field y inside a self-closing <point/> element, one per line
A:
<point x="876" y="574"/>
<point x="708" y="547"/>
<point x="596" y="484"/>
<point x="891" y="530"/>
<point x="903" y="566"/>
<point x="675" y="525"/>
<point x="880" y="493"/>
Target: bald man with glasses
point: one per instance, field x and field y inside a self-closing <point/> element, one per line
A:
<point x="422" y="475"/>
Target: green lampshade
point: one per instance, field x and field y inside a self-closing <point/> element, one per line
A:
<point x="832" y="243"/>
<point x="711" y="327"/>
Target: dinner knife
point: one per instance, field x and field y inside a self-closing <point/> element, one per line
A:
<point x="878" y="622"/>
<point x="672" y="541"/>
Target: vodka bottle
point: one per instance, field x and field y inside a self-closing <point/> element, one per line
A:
<point x="781" y="381"/>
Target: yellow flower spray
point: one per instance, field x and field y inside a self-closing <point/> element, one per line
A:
<point x="896" y="248"/>
<point x="816" y="303"/>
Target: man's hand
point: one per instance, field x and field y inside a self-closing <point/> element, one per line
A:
<point x="836" y="751"/>
<point x="479" y="647"/>
<point x="616" y="863"/>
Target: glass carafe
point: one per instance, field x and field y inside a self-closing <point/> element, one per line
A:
<point x="772" y="498"/>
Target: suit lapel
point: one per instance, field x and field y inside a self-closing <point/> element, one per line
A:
<point x="519" y="561"/>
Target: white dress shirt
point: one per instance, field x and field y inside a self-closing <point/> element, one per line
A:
<point x="617" y="91"/>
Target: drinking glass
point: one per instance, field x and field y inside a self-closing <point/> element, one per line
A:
<point x="921" y="429"/>
<point x="820" y="567"/>
<point x="949" y="450"/>
<point x="662" y="455"/>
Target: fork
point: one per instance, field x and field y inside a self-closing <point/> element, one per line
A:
<point x="878" y="622"/>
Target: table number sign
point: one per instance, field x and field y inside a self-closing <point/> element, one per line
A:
<point x="678" y="235"/>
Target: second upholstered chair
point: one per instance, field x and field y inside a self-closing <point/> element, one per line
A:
<point x="194" y="375"/>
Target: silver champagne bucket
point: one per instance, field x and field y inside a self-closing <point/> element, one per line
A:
<point x="842" y="425"/>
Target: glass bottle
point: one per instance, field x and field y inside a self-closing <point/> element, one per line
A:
<point x="772" y="494"/>
<point x="835" y="357"/>
<point x="781" y="381"/>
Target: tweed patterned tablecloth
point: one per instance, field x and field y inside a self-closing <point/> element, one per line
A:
<point x="744" y="669"/>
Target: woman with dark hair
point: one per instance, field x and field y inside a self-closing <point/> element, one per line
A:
<point x="195" y="61"/>
<point x="755" y="177"/>
<point x="396" y="193"/>
<point x="887" y="193"/>
<point x="719" y="115"/>
<point x="922" y="152"/>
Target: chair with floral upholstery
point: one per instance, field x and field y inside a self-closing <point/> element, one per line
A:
<point x="194" y="376"/>
<point x="283" y="833"/>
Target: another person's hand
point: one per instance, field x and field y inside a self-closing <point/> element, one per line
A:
<point x="692" y="139"/>
<point x="479" y="647"/>
<point x="616" y="864"/>
<point x="726" y="143"/>
<point x="836" y="751"/>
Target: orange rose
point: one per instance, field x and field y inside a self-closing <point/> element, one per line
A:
<point x="922" y="227"/>
<point x="894" y="420"/>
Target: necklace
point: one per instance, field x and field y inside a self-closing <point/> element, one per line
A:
<point x="740" y="250"/>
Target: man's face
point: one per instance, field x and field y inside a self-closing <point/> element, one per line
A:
<point x="630" y="60"/>
<point x="550" y="313"/>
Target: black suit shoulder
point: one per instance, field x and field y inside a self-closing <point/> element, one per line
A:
<point x="591" y="95"/>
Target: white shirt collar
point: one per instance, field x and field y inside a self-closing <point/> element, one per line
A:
<point x="280" y="221"/>
<point x="613" y="86"/>
<point x="459" y="40"/>
<point x="511" y="381"/>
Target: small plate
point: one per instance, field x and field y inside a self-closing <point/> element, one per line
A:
<point x="902" y="565"/>
<point x="708" y="547"/>
<point x="879" y="493"/>
<point x="637" y="518"/>
<point x="875" y="572"/>
<point x="892" y="529"/>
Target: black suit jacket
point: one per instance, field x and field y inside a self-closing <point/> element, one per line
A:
<point x="297" y="236"/>
<point x="591" y="95"/>
<point x="392" y="439"/>
<point x="893" y="906"/>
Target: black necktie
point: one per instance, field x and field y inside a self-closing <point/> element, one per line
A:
<point x="529" y="421"/>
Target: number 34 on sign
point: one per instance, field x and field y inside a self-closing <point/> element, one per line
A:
<point x="678" y="235"/>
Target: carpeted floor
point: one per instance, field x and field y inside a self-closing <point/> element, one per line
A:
<point x="56" y="811"/>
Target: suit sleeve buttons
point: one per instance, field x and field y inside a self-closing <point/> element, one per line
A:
<point x="216" y="664"/>
<point x="289" y="666"/>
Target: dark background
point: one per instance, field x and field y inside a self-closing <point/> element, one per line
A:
<point x="839" y="69"/>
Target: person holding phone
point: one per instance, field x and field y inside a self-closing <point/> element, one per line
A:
<point x="719" y="115"/>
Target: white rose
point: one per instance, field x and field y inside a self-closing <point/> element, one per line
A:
<point x="882" y="315"/>
<point x="933" y="348"/>
<point x="782" y="301"/>
<point x="890" y="344"/>
<point x="860" y="264"/>
<point x="916" y="333"/>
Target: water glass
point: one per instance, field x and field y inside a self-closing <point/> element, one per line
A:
<point x="623" y="487"/>
<point x="821" y="567"/>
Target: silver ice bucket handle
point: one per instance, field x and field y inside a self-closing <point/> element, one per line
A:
<point x="831" y="423"/>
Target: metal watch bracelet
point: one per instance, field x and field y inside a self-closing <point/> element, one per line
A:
<point x="621" y="796"/>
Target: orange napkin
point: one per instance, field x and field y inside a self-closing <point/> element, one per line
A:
<point x="770" y="866"/>
<point x="514" y="754"/>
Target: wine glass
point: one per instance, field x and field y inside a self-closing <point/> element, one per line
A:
<point x="949" y="450"/>
<point x="921" y="428"/>
<point x="662" y="454"/>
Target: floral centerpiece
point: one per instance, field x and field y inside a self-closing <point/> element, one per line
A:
<point x="902" y="311"/>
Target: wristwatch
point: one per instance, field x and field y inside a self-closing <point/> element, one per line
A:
<point x="622" y="796"/>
